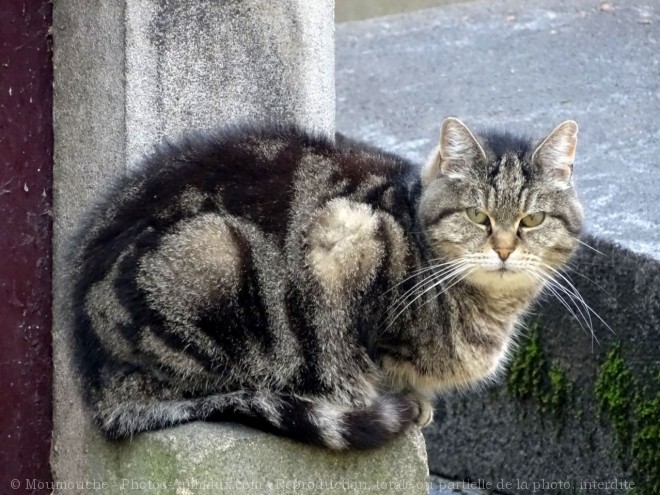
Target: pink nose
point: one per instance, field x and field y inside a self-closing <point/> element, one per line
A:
<point x="503" y="253"/>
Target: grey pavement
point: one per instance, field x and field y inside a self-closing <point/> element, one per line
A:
<point x="522" y="66"/>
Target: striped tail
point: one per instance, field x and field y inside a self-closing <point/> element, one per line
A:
<point x="307" y="420"/>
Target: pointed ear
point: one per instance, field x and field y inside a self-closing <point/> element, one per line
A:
<point x="456" y="153"/>
<point x="556" y="153"/>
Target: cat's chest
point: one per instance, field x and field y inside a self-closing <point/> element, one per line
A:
<point x="491" y="315"/>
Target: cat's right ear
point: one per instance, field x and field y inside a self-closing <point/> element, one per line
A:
<point x="455" y="154"/>
<point x="556" y="153"/>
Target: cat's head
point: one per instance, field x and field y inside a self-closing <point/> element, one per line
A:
<point x="500" y="209"/>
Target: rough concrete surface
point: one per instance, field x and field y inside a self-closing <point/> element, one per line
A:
<point x="524" y="67"/>
<point x="202" y="66"/>
<point x="89" y="151"/>
<point x="128" y="73"/>
<point x="212" y="458"/>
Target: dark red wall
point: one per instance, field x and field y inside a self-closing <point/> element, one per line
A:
<point x="26" y="171"/>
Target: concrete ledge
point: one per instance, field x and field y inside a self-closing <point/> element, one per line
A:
<point x="229" y="458"/>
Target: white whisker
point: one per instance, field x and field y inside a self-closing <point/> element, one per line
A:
<point x="425" y="280"/>
<point x="547" y="281"/>
<point x="433" y="279"/>
<point x="447" y="276"/>
<point x="573" y="270"/>
<point x="591" y="247"/>
<point x="572" y="292"/>
<point x="577" y="295"/>
<point x="470" y="271"/>
<point x="419" y="271"/>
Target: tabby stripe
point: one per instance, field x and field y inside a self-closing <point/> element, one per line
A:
<point x="572" y="229"/>
<point x="444" y="213"/>
<point x="172" y="338"/>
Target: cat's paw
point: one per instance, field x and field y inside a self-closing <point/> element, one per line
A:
<point x="425" y="411"/>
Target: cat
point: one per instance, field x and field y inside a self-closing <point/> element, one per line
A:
<point x="323" y="291"/>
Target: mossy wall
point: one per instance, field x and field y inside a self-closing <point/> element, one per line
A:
<point x="631" y="405"/>
<point x="627" y="403"/>
<point x="573" y="407"/>
<point x="533" y="377"/>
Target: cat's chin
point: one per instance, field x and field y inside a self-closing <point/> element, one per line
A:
<point x="502" y="281"/>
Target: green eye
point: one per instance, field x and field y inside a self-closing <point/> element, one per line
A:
<point x="477" y="216"/>
<point x="533" y="219"/>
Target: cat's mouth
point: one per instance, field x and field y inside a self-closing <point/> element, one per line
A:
<point x="500" y="269"/>
<point x="503" y="277"/>
<point x="503" y="271"/>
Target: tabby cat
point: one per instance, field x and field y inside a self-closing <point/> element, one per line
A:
<point x="320" y="290"/>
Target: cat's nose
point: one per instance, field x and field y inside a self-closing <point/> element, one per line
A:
<point x="503" y="253"/>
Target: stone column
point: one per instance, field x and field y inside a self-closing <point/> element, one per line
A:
<point x="128" y="73"/>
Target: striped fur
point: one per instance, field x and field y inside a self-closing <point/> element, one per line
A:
<point x="253" y="275"/>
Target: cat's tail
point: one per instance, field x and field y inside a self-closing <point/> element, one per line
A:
<point x="338" y="427"/>
<point x="304" y="419"/>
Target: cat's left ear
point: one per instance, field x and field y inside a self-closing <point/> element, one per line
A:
<point x="456" y="153"/>
<point x="556" y="153"/>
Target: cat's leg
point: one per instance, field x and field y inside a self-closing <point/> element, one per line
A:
<point x="348" y="243"/>
<point x="347" y="246"/>
<point x="403" y="378"/>
<point x="350" y="251"/>
<point x="126" y="400"/>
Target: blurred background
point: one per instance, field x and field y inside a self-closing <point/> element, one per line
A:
<point x="352" y="10"/>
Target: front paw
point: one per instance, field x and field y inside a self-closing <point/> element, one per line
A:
<point x="425" y="415"/>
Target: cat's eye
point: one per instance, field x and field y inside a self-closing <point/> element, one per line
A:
<point x="477" y="216"/>
<point x="533" y="219"/>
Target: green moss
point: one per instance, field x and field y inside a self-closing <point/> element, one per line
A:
<point x="632" y="409"/>
<point x="634" y="412"/>
<point x="560" y="391"/>
<point x="527" y="369"/>
<point x="532" y="378"/>
<point x="646" y="438"/>
<point x="614" y="395"/>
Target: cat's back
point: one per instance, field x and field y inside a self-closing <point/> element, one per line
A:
<point x="257" y="174"/>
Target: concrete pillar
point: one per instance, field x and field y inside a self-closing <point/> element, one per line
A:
<point x="127" y="73"/>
